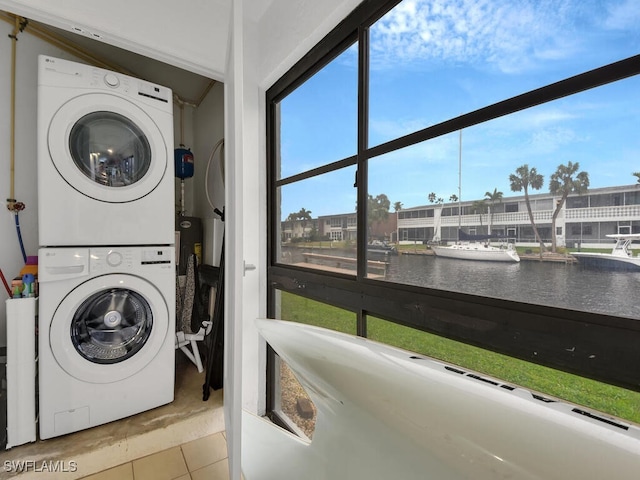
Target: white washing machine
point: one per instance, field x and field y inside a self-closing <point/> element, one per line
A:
<point x="105" y="158"/>
<point x="106" y="334"/>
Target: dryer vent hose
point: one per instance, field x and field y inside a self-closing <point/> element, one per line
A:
<point x="219" y="145"/>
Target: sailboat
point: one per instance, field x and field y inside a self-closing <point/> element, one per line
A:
<point x="620" y="257"/>
<point x="474" y="247"/>
<point x="477" y="247"/>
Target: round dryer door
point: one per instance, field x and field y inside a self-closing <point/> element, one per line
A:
<point x="107" y="148"/>
<point x="109" y="328"/>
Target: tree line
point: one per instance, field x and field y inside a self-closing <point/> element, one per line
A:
<point x="563" y="182"/>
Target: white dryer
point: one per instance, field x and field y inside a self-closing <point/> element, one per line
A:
<point x="106" y="334"/>
<point x="105" y="158"/>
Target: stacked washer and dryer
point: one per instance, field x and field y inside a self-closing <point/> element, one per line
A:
<point x="106" y="258"/>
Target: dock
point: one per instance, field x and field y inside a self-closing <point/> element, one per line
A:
<point x="547" y="257"/>
<point x="345" y="265"/>
<point x="524" y="257"/>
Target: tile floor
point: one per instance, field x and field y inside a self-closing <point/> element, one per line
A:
<point x="201" y="459"/>
<point x="184" y="440"/>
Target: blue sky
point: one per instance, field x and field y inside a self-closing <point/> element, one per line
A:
<point x="433" y="60"/>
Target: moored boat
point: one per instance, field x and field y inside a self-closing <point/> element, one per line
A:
<point x="620" y="258"/>
<point x="477" y="251"/>
<point x="376" y="246"/>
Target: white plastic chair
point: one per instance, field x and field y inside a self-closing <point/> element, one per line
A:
<point x="186" y="339"/>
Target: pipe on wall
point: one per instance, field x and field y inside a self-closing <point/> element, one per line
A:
<point x="19" y="25"/>
<point x="62" y="43"/>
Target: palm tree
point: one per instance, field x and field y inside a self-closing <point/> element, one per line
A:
<point x="377" y="210"/>
<point x="493" y="198"/>
<point x="637" y="175"/>
<point x="292" y="219"/>
<point x="480" y="208"/>
<point x="397" y="206"/>
<point x="523" y="179"/>
<point x="304" y="216"/>
<point x="562" y="182"/>
<point x="433" y="198"/>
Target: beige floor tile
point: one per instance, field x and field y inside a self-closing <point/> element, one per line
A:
<point x="217" y="471"/>
<point x="121" y="472"/>
<point x="166" y="465"/>
<point x="204" y="451"/>
<point x="184" y="477"/>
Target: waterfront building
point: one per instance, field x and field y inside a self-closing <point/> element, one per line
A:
<point x="343" y="227"/>
<point x="299" y="229"/>
<point x="584" y="220"/>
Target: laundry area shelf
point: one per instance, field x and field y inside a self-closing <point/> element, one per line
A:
<point x="21" y="370"/>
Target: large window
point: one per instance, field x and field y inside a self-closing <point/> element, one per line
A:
<point x="414" y="125"/>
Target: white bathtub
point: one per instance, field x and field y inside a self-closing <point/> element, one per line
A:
<point x="385" y="413"/>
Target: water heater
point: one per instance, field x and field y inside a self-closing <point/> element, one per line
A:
<point x="183" y="159"/>
<point x="190" y="231"/>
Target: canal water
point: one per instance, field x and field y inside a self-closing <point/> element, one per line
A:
<point x="547" y="283"/>
<point x="554" y="284"/>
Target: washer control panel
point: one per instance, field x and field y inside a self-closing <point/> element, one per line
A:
<point x="112" y="259"/>
<point x="127" y="259"/>
<point x="155" y="256"/>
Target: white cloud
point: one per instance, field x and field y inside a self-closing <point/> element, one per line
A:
<point x="551" y="139"/>
<point x="395" y="128"/>
<point x="543" y="117"/>
<point x="623" y="15"/>
<point x="510" y="35"/>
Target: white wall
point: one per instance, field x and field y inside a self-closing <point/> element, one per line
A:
<point x="271" y="45"/>
<point x="254" y="223"/>
<point x="261" y="51"/>
<point x="290" y="28"/>
<point x="233" y="367"/>
<point x="191" y="35"/>
<point x="183" y="125"/>
<point x="209" y="130"/>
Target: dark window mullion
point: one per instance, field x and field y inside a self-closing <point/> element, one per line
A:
<point x="363" y="122"/>
<point x="330" y="167"/>
<point x="362" y="174"/>
<point x="273" y="169"/>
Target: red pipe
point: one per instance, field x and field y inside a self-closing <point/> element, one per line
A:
<point x="6" y="285"/>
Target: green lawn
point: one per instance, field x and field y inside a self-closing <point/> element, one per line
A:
<point x="612" y="400"/>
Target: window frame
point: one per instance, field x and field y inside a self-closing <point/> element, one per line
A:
<point x="543" y="333"/>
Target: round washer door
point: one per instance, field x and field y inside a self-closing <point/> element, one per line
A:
<point x="107" y="148"/>
<point x="109" y="328"/>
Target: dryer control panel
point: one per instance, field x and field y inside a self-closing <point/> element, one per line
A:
<point x="57" y="72"/>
